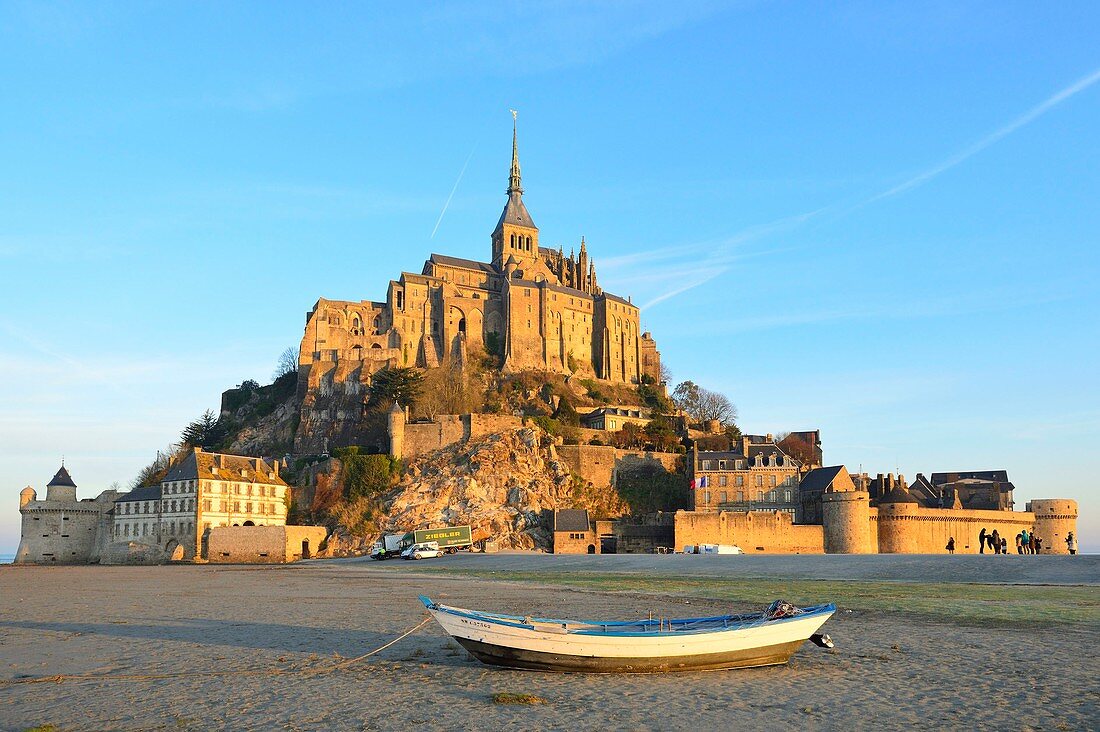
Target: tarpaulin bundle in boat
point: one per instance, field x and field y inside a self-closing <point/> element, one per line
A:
<point x="781" y="609"/>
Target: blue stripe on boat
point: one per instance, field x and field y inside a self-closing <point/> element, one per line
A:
<point x="619" y="627"/>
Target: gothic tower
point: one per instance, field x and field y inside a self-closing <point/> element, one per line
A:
<point x="516" y="236"/>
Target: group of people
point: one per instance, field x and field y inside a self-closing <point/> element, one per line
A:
<point x="1026" y="542"/>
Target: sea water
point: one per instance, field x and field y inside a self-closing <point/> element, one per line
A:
<point x="7" y="558"/>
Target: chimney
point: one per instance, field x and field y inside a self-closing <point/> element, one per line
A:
<point x="769" y="437"/>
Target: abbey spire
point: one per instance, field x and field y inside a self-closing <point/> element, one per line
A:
<point x="515" y="236"/>
<point x="514" y="176"/>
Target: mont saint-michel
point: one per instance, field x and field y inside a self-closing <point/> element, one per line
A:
<point x="359" y="362"/>
<point x="533" y="307"/>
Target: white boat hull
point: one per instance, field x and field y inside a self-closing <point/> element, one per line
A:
<point x="550" y="647"/>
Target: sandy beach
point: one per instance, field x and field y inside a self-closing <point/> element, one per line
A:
<point x="1031" y="664"/>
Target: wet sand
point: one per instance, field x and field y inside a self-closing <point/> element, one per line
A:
<point x="890" y="670"/>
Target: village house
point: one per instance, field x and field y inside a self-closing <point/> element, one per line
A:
<point x="574" y="533"/>
<point x="755" y="476"/>
<point x="201" y="491"/>
<point x="613" y="419"/>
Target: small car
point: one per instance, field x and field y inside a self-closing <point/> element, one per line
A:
<point x="427" y="550"/>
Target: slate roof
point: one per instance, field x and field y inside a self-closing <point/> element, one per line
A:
<point x="764" y="450"/>
<point x="571" y="519"/>
<point x="62" y="478"/>
<point x="199" y="464"/>
<point x="145" y="493"/>
<point x="818" y="479"/>
<point x="460" y="262"/>
<point x="515" y="213"/>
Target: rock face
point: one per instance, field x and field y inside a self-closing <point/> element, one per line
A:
<point x="499" y="484"/>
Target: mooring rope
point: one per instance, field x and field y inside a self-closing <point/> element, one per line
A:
<point x="60" y="678"/>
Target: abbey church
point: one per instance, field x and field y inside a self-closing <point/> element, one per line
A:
<point x="532" y="306"/>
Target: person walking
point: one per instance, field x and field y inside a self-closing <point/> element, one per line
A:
<point x="981" y="541"/>
<point x="1031" y="543"/>
<point x="1020" y="543"/>
<point x="1071" y="543"/>
<point x="1004" y="545"/>
<point x="1025" y="541"/>
<point x="1038" y="543"/>
<point x="951" y="545"/>
<point x="995" y="541"/>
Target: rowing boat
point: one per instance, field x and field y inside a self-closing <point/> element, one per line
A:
<point x="637" y="646"/>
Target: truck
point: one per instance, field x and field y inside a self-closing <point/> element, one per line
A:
<point x="449" y="538"/>
<point x="388" y="546"/>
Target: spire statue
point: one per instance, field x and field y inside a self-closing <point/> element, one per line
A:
<point x="514" y="177"/>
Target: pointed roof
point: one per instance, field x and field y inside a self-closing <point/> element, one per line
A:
<point x="62" y="478"/>
<point x="515" y="213"/>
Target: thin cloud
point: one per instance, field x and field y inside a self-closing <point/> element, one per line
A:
<point x="455" y="188"/>
<point x="794" y="221"/>
<point x="1030" y="116"/>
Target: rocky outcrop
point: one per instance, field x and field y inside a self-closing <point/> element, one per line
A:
<point x="500" y="485"/>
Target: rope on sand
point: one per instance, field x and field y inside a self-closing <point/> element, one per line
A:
<point x="308" y="670"/>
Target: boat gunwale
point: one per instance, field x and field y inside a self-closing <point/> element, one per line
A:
<point x="745" y="621"/>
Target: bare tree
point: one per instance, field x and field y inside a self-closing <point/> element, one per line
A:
<point x="703" y="404"/>
<point x="287" y="363"/>
<point x="666" y="373"/>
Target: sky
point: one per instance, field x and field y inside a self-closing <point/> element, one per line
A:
<point x="875" y="219"/>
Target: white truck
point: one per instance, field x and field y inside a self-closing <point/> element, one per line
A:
<point x="389" y="546"/>
<point x="713" y="549"/>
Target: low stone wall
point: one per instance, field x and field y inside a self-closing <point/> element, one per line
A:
<point x="754" y="532"/>
<point x="448" y="429"/>
<point x="599" y="464"/>
<point x="263" y="544"/>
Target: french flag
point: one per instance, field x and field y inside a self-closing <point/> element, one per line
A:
<point x="702" y="482"/>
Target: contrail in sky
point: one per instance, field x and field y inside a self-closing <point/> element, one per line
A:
<point x="1030" y="116"/>
<point x="448" y="203"/>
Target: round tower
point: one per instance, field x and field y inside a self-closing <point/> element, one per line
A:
<point x="1055" y="518"/>
<point x="897" y="511"/>
<point x="846" y="519"/>
<point x="395" y="423"/>
<point x="62" y="487"/>
<point x="26" y="496"/>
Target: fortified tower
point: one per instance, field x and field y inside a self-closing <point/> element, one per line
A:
<point x="846" y="518"/>
<point x="61" y="529"/>
<point x="897" y="513"/>
<point x="1055" y="518"/>
<point x="395" y="423"/>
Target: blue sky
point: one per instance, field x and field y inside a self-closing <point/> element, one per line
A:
<point x="878" y="219"/>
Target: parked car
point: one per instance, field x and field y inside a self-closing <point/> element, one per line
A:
<point x="713" y="549"/>
<point x="426" y="550"/>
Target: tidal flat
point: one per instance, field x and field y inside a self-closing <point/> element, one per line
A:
<point x="274" y="647"/>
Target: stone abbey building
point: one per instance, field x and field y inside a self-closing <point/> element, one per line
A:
<point x="534" y="306"/>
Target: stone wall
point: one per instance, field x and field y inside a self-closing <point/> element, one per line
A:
<point x="263" y="544"/>
<point x="599" y="464"/>
<point x="754" y="532"/>
<point x="575" y="542"/>
<point x="448" y="429"/>
<point x="906" y="528"/>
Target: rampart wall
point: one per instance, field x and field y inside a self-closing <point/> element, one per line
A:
<point x="754" y="531"/>
<point x="263" y="544"/>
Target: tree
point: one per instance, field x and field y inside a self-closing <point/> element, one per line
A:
<point x="206" y="431"/>
<point x="703" y="404"/>
<point x="666" y="373"/>
<point x="401" y="384"/>
<point x="287" y="363"/>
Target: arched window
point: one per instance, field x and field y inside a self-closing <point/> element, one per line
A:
<point x="512" y="241"/>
